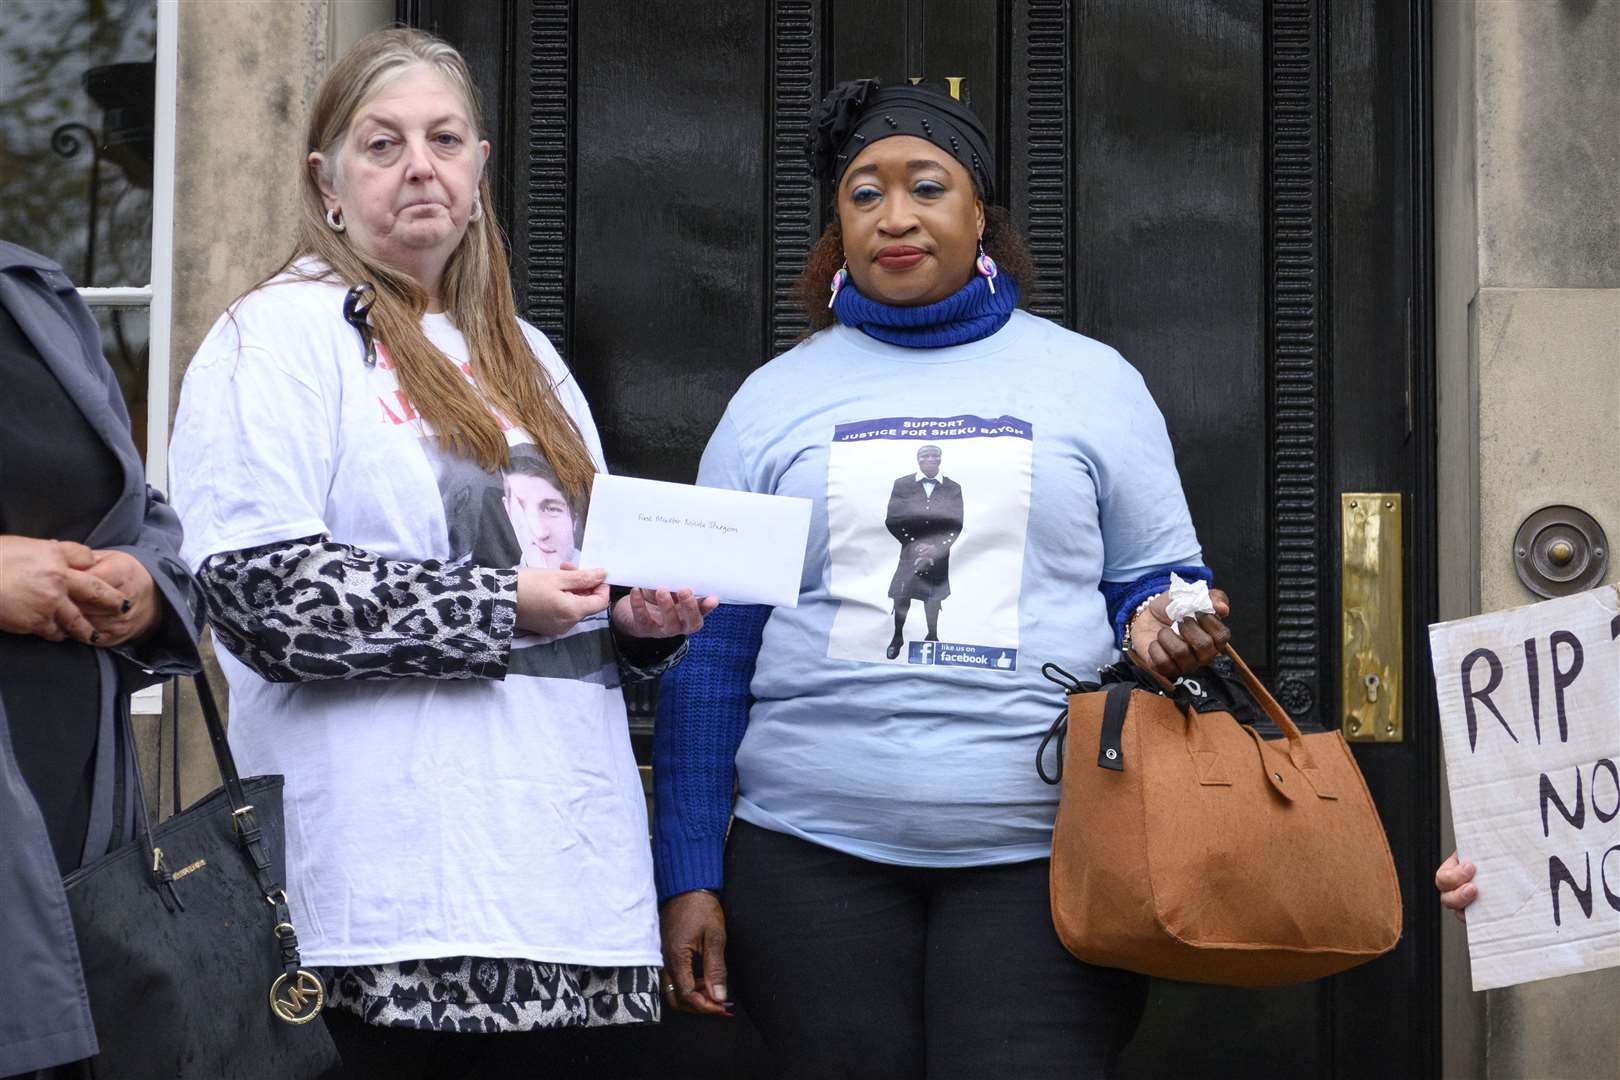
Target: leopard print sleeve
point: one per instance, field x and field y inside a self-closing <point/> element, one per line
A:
<point x="310" y="610"/>
<point x="641" y="659"/>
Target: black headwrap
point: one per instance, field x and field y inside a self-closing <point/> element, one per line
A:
<point x="858" y="113"/>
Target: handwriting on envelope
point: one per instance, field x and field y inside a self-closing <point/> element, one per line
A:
<point x="739" y="546"/>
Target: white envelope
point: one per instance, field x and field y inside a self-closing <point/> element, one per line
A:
<point x="739" y="546"/>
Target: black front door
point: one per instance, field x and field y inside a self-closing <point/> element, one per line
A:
<point x="1230" y="192"/>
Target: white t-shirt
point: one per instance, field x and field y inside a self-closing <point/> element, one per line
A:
<point x="425" y="818"/>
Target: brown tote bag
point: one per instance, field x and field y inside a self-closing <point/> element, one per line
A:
<point x="1191" y="848"/>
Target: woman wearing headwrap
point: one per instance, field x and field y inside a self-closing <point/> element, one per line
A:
<point x="885" y="896"/>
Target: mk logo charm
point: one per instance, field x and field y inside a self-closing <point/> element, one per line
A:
<point x="297" y="999"/>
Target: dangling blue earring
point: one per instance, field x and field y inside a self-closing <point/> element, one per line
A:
<point x="987" y="268"/>
<point x="838" y="281"/>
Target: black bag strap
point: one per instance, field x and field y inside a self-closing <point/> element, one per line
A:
<point x="1110" y="755"/>
<point x="248" y="833"/>
<point x="222" y="747"/>
<point x="174" y="746"/>
<point x="1058" y="733"/>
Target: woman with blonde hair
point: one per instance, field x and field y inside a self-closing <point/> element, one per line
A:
<point x="466" y="833"/>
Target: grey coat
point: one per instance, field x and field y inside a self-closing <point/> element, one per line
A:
<point x="47" y="1021"/>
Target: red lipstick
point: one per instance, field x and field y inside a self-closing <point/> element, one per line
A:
<point x="900" y="256"/>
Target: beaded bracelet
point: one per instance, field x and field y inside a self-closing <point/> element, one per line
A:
<point x="1125" y="639"/>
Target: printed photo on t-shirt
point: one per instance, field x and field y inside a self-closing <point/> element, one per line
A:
<point x="516" y="517"/>
<point x="926" y="519"/>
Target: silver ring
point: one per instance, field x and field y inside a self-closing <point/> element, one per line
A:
<point x="669" y="988"/>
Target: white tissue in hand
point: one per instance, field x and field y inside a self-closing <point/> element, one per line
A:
<point x="1188" y="599"/>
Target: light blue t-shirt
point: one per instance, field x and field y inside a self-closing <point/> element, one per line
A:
<point x="1047" y="470"/>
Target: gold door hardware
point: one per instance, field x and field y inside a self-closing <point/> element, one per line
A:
<point x="1372" y="603"/>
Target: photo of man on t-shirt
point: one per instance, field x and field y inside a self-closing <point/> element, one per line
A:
<point x="539" y="512"/>
<point x="925" y="515"/>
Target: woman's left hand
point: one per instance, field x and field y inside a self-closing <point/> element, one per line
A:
<point x="125" y="573"/>
<point x="659" y="613"/>
<point x="1155" y="645"/>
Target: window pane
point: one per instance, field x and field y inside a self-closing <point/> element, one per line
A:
<point x="124" y="343"/>
<point x="76" y="95"/>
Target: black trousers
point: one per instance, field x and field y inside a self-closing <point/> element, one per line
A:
<point x="379" y="1053"/>
<point x="857" y="969"/>
<point x="682" y="1047"/>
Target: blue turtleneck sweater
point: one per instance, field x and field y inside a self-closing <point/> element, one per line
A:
<point x="972" y="312"/>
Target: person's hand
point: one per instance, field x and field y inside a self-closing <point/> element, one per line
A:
<point x="45" y="589"/>
<point x="550" y="602"/>
<point x="694" y="928"/>
<point x="659" y="613"/>
<point x="1155" y="645"/>
<point x="141" y="609"/>
<point x="1455" y="881"/>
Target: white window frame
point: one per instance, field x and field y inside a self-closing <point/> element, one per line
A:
<point x="156" y="297"/>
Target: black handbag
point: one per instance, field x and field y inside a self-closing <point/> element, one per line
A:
<point x="189" y="952"/>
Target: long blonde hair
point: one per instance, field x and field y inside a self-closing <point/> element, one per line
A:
<point x="476" y="288"/>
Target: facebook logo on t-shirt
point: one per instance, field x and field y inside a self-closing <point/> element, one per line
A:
<point x="951" y="654"/>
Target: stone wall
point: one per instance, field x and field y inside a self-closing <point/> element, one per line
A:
<point x="248" y="71"/>
<point x="1527" y="192"/>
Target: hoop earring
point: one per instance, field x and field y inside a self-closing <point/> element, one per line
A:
<point x="987" y="268"/>
<point x="477" y="211"/>
<point x="838" y="281"/>
<point x="334" y="220"/>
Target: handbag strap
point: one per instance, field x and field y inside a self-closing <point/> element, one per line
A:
<point x="1297" y="751"/>
<point x="221" y="745"/>
<point x="1110" y="755"/>
<point x="1274" y="711"/>
<point x="174" y="746"/>
<point x="249" y="836"/>
<point x="1278" y="715"/>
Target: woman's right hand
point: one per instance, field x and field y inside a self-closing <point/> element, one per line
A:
<point x="693" y="925"/>
<point x="550" y="602"/>
<point x="1455" y="881"/>
<point x="45" y="584"/>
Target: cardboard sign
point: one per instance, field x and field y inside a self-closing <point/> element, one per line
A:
<point x="1530" y="710"/>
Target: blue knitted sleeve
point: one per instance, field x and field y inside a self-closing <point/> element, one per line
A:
<point x="702" y="712"/>
<point x="1122" y="597"/>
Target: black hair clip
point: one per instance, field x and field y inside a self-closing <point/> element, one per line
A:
<point x="357" y="313"/>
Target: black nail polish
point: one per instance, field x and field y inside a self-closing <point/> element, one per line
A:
<point x="127" y="605"/>
<point x="95" y="636"/>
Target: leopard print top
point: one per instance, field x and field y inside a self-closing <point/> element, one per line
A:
<point x="312" y="609"/>
<point x="479" y="994"/>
